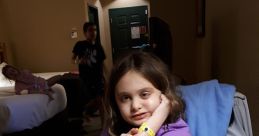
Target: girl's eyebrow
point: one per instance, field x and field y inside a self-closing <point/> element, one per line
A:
<point x="122" y="93"/>
<point x="138" y="91"/>
<point x="145" y="89"/>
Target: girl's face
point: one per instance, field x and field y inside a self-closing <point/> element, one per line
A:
<point x="136" y="98"/>
<point x="12" y="73"/>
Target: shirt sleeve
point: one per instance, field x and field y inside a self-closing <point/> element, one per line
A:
<point x="176" y="133"/>
<point x="76" y="49"/>
<point x="178" y="128"/>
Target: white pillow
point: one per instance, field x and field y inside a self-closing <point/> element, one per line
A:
<point x="4" y="82"/>
<point x="2" y="65"/>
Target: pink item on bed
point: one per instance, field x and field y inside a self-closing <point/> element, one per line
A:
<point x="27" y="81"/>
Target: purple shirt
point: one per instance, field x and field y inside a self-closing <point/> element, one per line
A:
<point x="179" y="128"/>
<point x="27" y="81"/>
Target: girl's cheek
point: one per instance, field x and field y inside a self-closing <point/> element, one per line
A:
<point x="123" y="107"/>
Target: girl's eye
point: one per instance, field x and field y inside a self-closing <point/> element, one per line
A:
<point x="125" y="98"/>
<point x="145" y="95"/>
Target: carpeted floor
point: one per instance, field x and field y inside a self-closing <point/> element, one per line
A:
<point x="83" y="127"/>
<point x="93" y="127"/>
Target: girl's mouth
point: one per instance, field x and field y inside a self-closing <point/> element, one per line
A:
<point x="140" y="116"/>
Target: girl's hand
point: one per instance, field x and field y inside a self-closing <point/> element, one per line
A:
<point x="132" y="132"/>
<point x="125" y="135"/>
<point x="157" y="119"/>
<point x="164" y="107"/>
<point x="160" y="114"/>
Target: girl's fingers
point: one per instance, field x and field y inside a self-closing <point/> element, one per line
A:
<point x="141" y="134"/>
<point x="125" y="135"/>
<point x="133" y="131"/>
<point x="164" y="99"/>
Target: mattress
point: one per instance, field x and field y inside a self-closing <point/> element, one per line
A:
<point x="26" y="111"/>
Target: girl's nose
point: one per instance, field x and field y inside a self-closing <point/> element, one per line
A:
<point x="136" y="105"/>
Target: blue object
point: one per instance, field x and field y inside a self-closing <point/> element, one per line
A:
<point x="208" y="107"/>
<point x="141" y="46"/>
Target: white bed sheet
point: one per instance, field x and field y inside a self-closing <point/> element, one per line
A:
<point x="30" y="110"/>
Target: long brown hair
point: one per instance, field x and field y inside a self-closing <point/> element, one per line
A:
<point x="4" y="71"/>
<point x="153" y="70"/>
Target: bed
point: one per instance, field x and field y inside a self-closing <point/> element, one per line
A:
<point x="29" y="110"/>
<point x="19" y="113"/>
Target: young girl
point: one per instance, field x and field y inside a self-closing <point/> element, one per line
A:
<point x="25" y="80"/>
<point x="141" y="99"/>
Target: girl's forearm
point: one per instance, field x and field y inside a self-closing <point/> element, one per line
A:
<point x="156" y="121"/>
<point x="159" y="115"/>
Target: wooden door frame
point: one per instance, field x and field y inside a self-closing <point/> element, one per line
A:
<point x="98" y="25"/>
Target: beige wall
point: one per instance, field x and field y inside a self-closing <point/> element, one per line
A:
<point x="3" y="36"/>
<point x="180" y="16"/>
<point x="217" y="50"/>
<point x="232" y="44"/>
<point x="4" y="33"/>
<point x="39" y="32"/>
<point x="247" y="56"/>
<point x="229" y="51"/>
